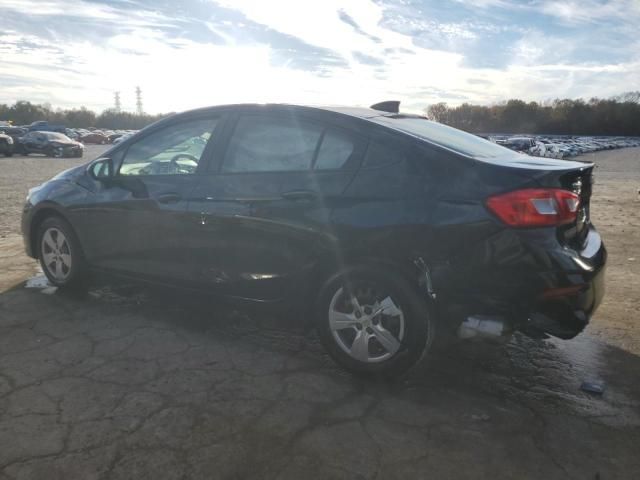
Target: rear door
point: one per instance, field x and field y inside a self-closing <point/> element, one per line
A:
<point x="138" y="224"/>
<point x="265" y="211"/>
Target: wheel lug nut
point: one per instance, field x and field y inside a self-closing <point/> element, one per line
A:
<point x="369" y="330"/>
<point x="358" y="314"/>
<point x="359" y="326"/>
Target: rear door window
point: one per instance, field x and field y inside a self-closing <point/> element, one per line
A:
<point x="263" y="143"/>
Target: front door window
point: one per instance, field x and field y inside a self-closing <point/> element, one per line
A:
<point x="173" y="150"/>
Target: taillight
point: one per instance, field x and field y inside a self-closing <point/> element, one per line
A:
<point x="535" y="207"/>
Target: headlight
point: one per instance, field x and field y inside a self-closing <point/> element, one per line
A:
<point x="10" y="141"/>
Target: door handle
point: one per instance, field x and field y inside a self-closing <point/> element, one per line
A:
<point x="170" y="197"/>
<point x="300" y="195"/>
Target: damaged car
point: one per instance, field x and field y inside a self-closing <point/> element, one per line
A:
<point x="383" y="231"/>
<point x="51" y="144"/>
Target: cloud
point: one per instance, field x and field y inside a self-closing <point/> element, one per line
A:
<point x="195" y="52"/>
<point x="589" y="11"/>
<point x="346" y="18"/>
<point x="367" y="59"/>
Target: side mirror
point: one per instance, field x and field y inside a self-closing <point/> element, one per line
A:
<point x="101" y="170"/>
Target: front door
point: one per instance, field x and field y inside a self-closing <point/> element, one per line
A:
<point x="137" y="223"/>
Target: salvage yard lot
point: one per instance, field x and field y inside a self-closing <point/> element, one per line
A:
<point x="127" y="382"/>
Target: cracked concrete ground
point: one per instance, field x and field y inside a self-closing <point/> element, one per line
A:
<point x="126" y="382"/>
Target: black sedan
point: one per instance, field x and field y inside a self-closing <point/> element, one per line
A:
<point x="385" y="230"/>
<point x="51" y="144"/>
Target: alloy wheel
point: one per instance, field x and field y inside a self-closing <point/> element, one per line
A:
<point x="366" y="324"/>
<point x="56" y="253"/>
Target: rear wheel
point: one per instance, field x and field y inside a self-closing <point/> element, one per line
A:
<point x="372" y="322"/>
<point x="60" y="253"/>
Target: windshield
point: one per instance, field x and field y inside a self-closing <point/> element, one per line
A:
<point x="56" y="136"/>
<point x="448" y="137"/>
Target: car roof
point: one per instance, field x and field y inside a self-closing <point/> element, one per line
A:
<point x="358" y="112"/>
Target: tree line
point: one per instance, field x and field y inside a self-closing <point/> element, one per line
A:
<point x="23" y="113"/>
<point x="615" y="116"/>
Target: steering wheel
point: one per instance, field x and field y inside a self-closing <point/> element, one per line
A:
<point x="183" y="168"/>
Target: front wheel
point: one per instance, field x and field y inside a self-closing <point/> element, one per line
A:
<point x="372" y="322"/>
<point x="60" y="254"/>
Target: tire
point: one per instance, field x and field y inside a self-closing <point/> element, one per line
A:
<point x="403" y="315"/>
<point x="8" y="154"/>
<point x="60" y="254"/>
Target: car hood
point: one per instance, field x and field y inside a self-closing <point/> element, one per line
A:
<point x="70" y="173"/>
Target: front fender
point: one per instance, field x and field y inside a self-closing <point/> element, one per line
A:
<point x="57" y="197"/>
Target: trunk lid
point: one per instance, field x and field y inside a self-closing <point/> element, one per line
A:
<point x="570" y="175"/>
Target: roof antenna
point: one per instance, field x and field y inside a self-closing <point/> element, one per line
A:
<point x="391" y="106"/>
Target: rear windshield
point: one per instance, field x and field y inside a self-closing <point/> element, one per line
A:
<point x="451" y="138"/>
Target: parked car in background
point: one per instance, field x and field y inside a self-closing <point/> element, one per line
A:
<point x="14" y="132"/>
<point x="373" y="223"/>
<point x="95" y="137"/>
<point x="560" y="146"/>
<point x="71" y="133"/>
<point x="51" y="144"/>
<point x="122" y="138"/>
<point x="6" y="144"/>
<point x="519" y="144"/>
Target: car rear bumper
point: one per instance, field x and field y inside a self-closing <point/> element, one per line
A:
<point x="527" y="278"/>
<point x="564" y="311"/>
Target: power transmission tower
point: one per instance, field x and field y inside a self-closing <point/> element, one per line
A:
<point x="117" y="104"/>
<point x="139" y="101"/>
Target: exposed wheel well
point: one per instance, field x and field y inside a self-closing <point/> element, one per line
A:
<point x="328" y="268"/>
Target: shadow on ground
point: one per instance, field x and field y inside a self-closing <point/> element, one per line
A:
<point x="132" y="383"/>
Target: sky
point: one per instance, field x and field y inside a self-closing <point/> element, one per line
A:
<point x="190" y="53"/>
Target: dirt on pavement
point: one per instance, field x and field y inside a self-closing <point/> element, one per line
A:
<point x="126" y="382"/>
